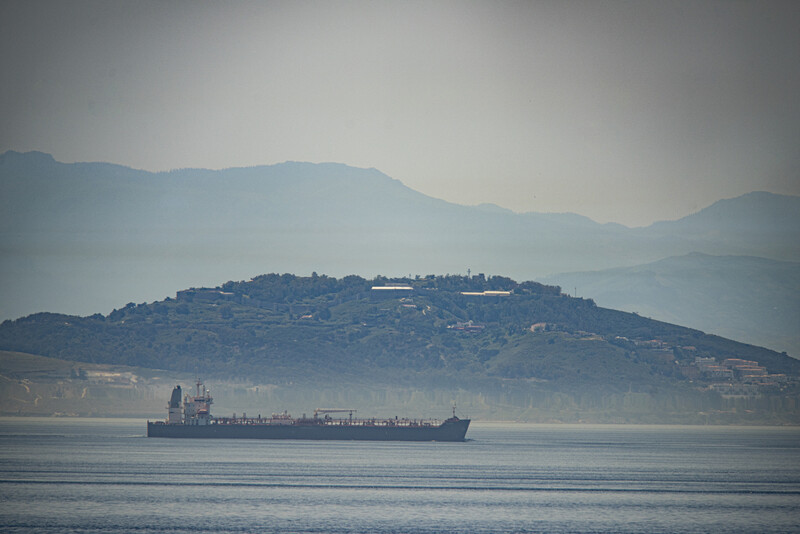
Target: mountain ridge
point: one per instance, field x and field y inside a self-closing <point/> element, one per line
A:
<point x="81" y="238"/>
<point x="718" y="206"/>
<point x="747" y="298"/>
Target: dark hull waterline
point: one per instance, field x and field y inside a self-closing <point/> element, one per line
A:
<point x="450" y="430"/>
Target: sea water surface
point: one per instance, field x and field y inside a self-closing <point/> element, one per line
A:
<point x="104" y="475"/>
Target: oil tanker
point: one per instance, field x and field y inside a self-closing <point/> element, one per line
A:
<point x="193" y="419"/>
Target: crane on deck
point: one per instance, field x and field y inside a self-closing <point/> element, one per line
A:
<point x="327" y="411"/>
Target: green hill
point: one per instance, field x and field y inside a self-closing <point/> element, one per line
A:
<point x="519" y="344"/>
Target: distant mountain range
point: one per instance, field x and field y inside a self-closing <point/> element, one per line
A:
<point x="754" y="300"/>
<point x="88" y="237"/>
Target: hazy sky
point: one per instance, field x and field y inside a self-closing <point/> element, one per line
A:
<point x="622" y="111"/>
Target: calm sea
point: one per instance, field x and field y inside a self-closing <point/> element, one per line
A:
<point x="82" y="475"/>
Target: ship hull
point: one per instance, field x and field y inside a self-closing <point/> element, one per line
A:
<point x="447" y="431"/>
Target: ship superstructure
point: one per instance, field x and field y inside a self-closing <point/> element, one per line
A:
<point x="197" y="409"/>
<point x="194" y="420"/>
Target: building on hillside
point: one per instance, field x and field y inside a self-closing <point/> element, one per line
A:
<point x="652" y="344"/>
<point x="709" y="368"/>
<point x="745" y="370"/>
<point x="486" y="293"/>
<point x="204" y="294"/>
<point x="468" y="326"/>
<point x="388" y="292"/>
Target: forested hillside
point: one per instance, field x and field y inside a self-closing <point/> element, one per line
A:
<point x="301" y="328"/>
<point x="482" y="335"/>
